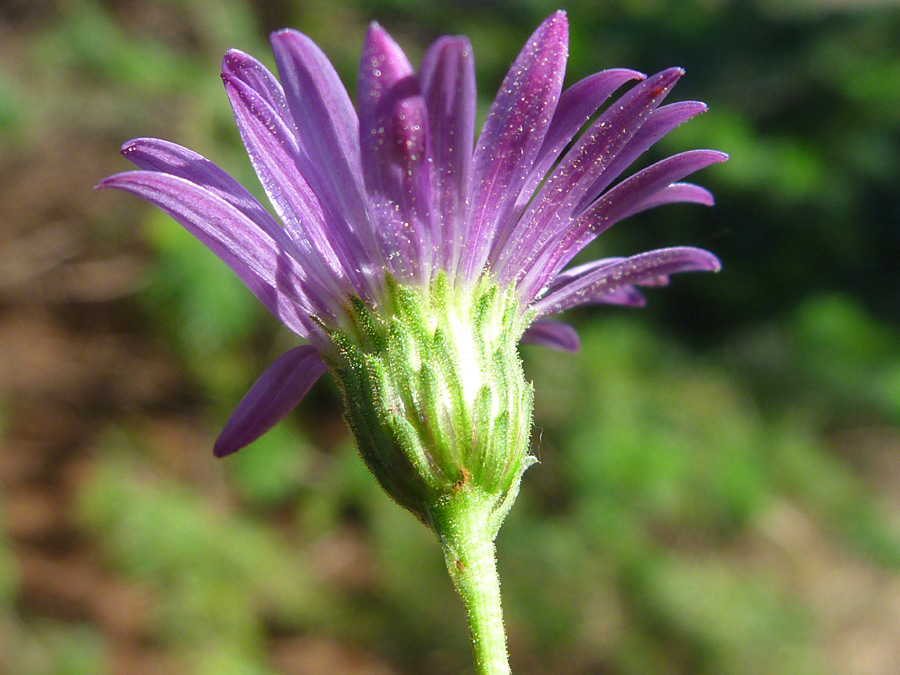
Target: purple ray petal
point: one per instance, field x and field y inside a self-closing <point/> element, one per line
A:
<point x="447" y="75"/>
<point x="153" y="154"/>
<point x="553" y="334"/>
<point x="278" y="390"/>
<point x="512" y="136"/>
<point x="280" y="164"/>
<point x="263" y="257"/>
<point x="393" y="135"/>
<point x="274" y="153"/>
<point x="627" y="197"/>
<point x="590" y="161"/>
<point x="576" y="105"/>
<point x="624" y="200"/>
<point x="592" y="286"/>
<point x="318" y="101"/>
<point x="328" y="130"/>
<point x="573" y="273"/>
<point x="661" y="122"/>
<point x="255" y="75"/>
<point x="292" y="178"/>
<point x="625" y="296"/>
<point x="678" y="193"/>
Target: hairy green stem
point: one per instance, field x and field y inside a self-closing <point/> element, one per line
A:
<point x="462" y="521"/>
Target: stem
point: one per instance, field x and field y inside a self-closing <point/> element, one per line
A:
<point x="462" y="522"/>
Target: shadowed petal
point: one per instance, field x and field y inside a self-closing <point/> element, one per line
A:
<point x="393" y="136"/>
<point x="661" y="122"/>
<point x="625" y="296"/>
<point x="255" y="75"/>
<point x="590" y="287"/>
<point x="513" y="134"/>
<point x="328" y="131"/>
<point x="447" y="75"/>
<point x="590" y="163"/>
<point x="272" y="396"/>
<point x="627" y="197"/>
<point x="153" y="154"/>
<point x="318" y="102"/>
<point x="280" y="164"/>
<point x="628" y="296"/>
<point x="678" y="193"/>
<point x="576" y="105"/>
<point x="553" y="334"/>
<point x="262" y="257"/>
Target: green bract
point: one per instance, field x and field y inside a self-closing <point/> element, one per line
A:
<point x="435" y="393"/>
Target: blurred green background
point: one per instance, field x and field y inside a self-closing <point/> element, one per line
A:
<point x="718" y="490"/>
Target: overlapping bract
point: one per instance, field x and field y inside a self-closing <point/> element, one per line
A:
<point x="394" y="187"/>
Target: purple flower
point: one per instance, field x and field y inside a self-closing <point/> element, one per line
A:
<point x="392" y="192"/>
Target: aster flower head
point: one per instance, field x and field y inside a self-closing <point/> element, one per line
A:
<point x="413" y="258"/>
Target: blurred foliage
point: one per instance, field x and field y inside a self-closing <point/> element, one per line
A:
<point x="681" y="451"/>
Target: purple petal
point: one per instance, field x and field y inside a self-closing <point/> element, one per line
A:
<point x="280" y="165"/>
<point x="591" y="161"/>
<point x="394" y="144"/>
<point x="318" y="102"/>
<point x="592" y="286"/>
<point x="447" y="75"/>
<point x="513" y="134"/>
<point x="553" y="334"/>
<point x="328" y="131"/>
<point x="628" y="296"/>
<point x="625" y="296"/>
<point x="661" y="122"/>
<point x="263" y="257"/>
<point x="153" y="154"/>
<point x="626" y="198"/>
<point x="568" y="276"/>
<point x="678" y="193"/>
<point x="272" y="396"/>
<point x="255" y="75"/>
<point x="576" y="105"/>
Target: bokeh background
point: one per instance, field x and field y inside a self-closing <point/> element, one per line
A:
<point x="719" y="485"/>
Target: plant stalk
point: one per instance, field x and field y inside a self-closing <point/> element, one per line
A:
<point x="462" y="523"/>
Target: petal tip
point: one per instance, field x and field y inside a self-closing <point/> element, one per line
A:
<point x="284" y="33"/>
<point x="633" y="74"/>
<point x="704" y="261"/>
<point x="669" y="76"/>
<point x="129" y="147"/>
<point x="559" y="20"/>
<point x="375" y="29"/>
<point x="224" y="447"/>
<point x="232" y="59"/>
<point x="379" y="43"/>
<point x="108" y="182"/>
<point x="235" y="61"/>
